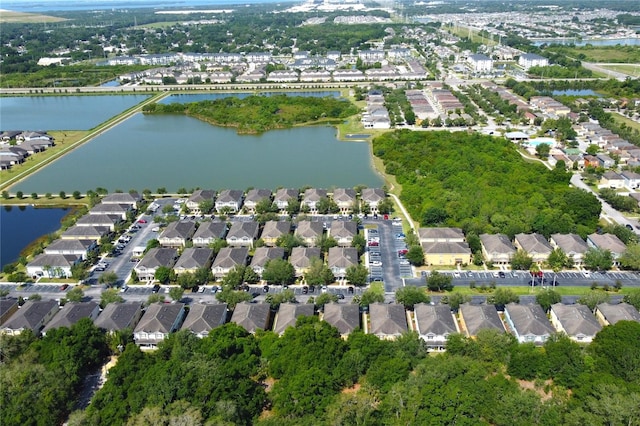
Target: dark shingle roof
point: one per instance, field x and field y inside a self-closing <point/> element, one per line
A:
<point x="203" y="317"/>
<point x="251" y="316"/>
<point x="345" y="318"/>
<point x="117" y="316"/>
<point x="436" y="319"/>
<point x="478" y="317"/>
<point x="70" y="314"/>
<point x="387" y="319"/>
<point x="288" y="313"/>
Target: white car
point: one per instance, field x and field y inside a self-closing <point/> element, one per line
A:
<point x="456" y="274"/>
<point x="375" y="263"/>
<point x="587" y="274"/>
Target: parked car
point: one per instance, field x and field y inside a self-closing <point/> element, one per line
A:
<point x="142" y="221"/>
<point x="214" y="289"/>
<point x="63" y="287"/>
<point x="340" y="296"/>
<point x="124" y="288"/>
<point x="501" y="274"/>
<point x="156" y="288"/>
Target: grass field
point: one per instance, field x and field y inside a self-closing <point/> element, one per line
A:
<point x="622" y="119"/>
<point x="10" y="17"/>
<point x="622" y="54"/>
<point x="631" y="69"/>
<point x="475" y="37"/>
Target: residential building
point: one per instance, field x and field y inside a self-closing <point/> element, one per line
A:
<point x="153" y="259"/>
<point x="535" y="245"/>
<point x="345" y="198"/>
<point x="480" y="63"/>
<point x="208" y="232"/>
<point x="446" y="253"/>
<point x="497" y="248"/>
<point x="8" y="306"/>
<point x="607" y="242"/>
<point x="71" y="313"/>
<point x="77" y="248"/>
<point x="85" y="233"/>
<point x="288" y="314"/>
<point x="158" y="321"/>
<point x="100" y="220"/>
<point x="387" y="321"/>
<point x="33" y="315"/>
<point x="204" y="317"/>
<point x="572" y="245"/>
<point x="340" y="259"/>
<point x="311" y="198"/>
<point x="243" y="234"/>
<point x="283" y="196"/>
<point x="631" y="180"/>
<point x="198" y="197"/>
<point x="52" y="265"/>
<point x="263" y="255"/>
<point x="474" y="318"/>
<point x="118" y="316"/>
<point x="131" y="198"/>
<point x="528" y="60"/>
<point x="434" y="323"/>
<point x="440" y="235"/>
<point x="252" y="316"/>
<point x="309" y="232"/>
<point x="192" y="259"/>
<point x="528" y="323"/>
<point x="608" y="314"/>
<point x="273" y="230"/>
<point x="176" y="234"/>
<point x="611" y="179"/>
<point x="372" y="197"/>
<point x="255" y="196"/>
<point x="576" y="321"/>
<point x="229" y="200"/>
<point x="343" y="232"/>
<point x="112" y="209"/>
<point x="227" y="259"/>
<point x="345" y="318"/>
<point x="301" y="258"/>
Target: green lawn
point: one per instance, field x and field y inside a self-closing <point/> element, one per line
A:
<point x="622" y="119"/>
<point x="631" y="69"/>
<point x="527" y="291"/>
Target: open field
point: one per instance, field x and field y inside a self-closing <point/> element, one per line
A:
<point x="475" y="37"/>
<point x="622" y="119"/>
<point x="10" y="17"/>
<point x="631" y="69"/>
<point x="622" y="54"/>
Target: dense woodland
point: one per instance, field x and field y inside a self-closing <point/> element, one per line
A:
<point x="256" y="114"/>
<point x="310" y="376"/>
<point x="482" y="184"/>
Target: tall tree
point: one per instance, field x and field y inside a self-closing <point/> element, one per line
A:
<point x="409" y="296"/>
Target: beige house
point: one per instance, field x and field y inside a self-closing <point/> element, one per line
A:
<point x="607" y="242"/>
<point x="497" y="248"/>
<point x="576" y="321"/>
<point x="301" y="258"/>
<point x="345" y="198"/>
<point x="158" y="321"/>
<point x="273" y="230"/>
<point x="387" y="321"/>
<point x="311" y="198"/>
<point x="340" y="259"/>
<point x="343" y="232"/>
<point x="243" y="234"/>
<point x="608" y="314"/>
<point x="372" y="197"/>
<point x="227" y="259"/>
<point x="252" y="316"/>
<point x="572" y="245"/>
<point x="535" y="245"/>
<point x="474" y="318"/>
<point x="33" y="315"/>
<point x="345" y="318"/>
<point x="200" y="196"/>
<point x="283" y="196"/>
<point x="192" y="259"/>
<point x="176" y="234"/>
<point x="309" y="232"/>
<point x="255" y="196"/>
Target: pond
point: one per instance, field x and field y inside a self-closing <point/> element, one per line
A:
<point x="62" y="112"/>
<point x="21" y="225"/>
<point x="174" y="151"/>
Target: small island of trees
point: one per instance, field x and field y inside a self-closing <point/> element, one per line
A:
<point x="257" y="114"/>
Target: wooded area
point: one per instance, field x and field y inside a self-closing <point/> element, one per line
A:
<point x="482" y="184"/>
<point x="256" y="114"/>
<point x="311" y="376"/>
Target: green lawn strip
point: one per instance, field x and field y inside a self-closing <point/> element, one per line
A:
<point x="622" y="119"/>
<point x="529" y="291"/>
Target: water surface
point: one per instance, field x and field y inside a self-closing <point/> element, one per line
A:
<point x="62" y="112"/>
<point x="174" y="151"/>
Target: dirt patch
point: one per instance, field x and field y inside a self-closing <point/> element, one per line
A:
<point x="353" y="389"/>
<point x="529" y="385"/>
<point x="268" y="384"/>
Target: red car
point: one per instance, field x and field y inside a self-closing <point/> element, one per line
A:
<point x="63" y="287"/>
<point x="142" y="221"/>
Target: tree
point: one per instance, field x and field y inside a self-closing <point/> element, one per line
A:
<point x="454" y="300"/>
<point x="162" y="274"/>
<point x="502" y="297"/>
<point x="326" y="205"/>
<point x="62" y="195"/>
<point x="633" y="298"/>
<point x="6" y="195"/>
<point x="75" y="294"/>
<point x="374" y="294"/>
<point x="360" y="243"/>
<point x="79" y="272"/>
<point x="521" y="261"/>
<point x="616" y="351"/>
<point x="385" y="206"/>
<point x="543" y="150"/>
<point x="439" y="282"/>
<point x="275" y="299"/>
<point x="289" y="241"/>
<point x="279" y="271"/>
<point x="34" y="195"/>
<point x="154" y="298"/>
<point x="548" y="297"/>
<point x="325" y="298"/>
<point x="409" y="296"/>
<point x="110" y="295"/>
<point x="206" y="206"/>
<point x="415" y="255"/>
<point x="597" y="259"/>
<point x="76" y="195"/>
<point x="233" y="297"/>
<point x="325" y="242"/>
<point x="593" y="149"/>
<point x="594" y="298"/>
<point x="357" y="275"/>
<point x="108" y="278"/>
<point x="19" y="195"/>
<point x="318" y="273"/>
<point x="186" y="280"/>
<point x="293" y="206"/>
<point x="176" y="293"/>
<point x="266" y="206"/>
<point x="217" y="244"/>
<point x="153" y="243"/>
<point x="558" y="260"/>
<point x="630" y="259"/>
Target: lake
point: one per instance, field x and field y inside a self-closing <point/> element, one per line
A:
<point x="198" y="97"/>
<point x="21" y="225"/>
<point x="175" y="151"/>
<point x="62" y="112"/>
